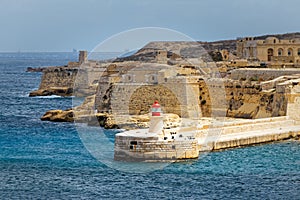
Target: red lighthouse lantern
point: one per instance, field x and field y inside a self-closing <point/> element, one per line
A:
<point x="156" y="109"/>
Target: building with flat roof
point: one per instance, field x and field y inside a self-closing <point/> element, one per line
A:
<point x="271" y="49"/>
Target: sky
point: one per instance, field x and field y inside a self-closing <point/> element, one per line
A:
<point x="63" y="25"/>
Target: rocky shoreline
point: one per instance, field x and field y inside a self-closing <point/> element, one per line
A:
<point x="108" y="121"/>
<point x="59" y="91"/>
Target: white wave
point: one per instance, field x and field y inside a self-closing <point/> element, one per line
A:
<point x="48" y="97"/>
<point x="24" y="95"/>
<point x="51" y="97"/>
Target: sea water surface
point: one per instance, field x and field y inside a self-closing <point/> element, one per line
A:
<point x="46" y="160"/>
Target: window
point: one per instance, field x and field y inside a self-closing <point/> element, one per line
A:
<point x="290" y="52"/>
<point x="152" y="78"/>
<point x="298" y="52"/>
<point x="280" y="52"/>
<point x="128" y="78"/>
<point x="270" y="54"/>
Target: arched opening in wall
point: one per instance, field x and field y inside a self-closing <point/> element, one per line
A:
<point x="270" y="54"/>
<point x="280" y="52"/>
<point x="298" y="52"/>
<point x="143" y="97"/>
<point x="290" y="52"/>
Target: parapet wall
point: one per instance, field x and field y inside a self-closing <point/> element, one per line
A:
<point x="261" y="74"/>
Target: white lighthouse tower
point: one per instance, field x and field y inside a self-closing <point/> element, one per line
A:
<point x="156" y="120"/>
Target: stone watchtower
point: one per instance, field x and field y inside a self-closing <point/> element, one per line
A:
<point x="162" y="57"/>
<point x="82" y="56"/>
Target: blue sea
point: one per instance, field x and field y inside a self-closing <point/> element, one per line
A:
<point x="46" y="160"/>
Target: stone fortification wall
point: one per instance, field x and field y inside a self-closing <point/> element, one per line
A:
<point x="79" y="80"/>
<point x="58" y="77"/>
<point x="248" y="101"/>
<point x="195" y="96"/>
<point x="293" y="106"/>
<point x="212" y="97"/>
<point x="65" y="77"/>
<point x="133" y="90"/>
<point x="143" y="98"/>
<point x="137" y="99"/>
<point x="260" y="74"/>
<point x="244" y="100"/>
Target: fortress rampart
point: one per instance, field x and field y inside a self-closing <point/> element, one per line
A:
<point x="256" y="74"/>
<point x="58" y="77"/>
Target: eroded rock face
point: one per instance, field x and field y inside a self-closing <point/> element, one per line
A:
<point x="58" y="116"/>
<point x="245" y="99"/>
<point x="70" y="115"/>
<point x="59" y="91"/>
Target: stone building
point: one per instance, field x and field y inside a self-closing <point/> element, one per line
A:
<point x="271" y="49"/>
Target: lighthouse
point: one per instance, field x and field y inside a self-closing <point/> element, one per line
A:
<point x="156" y="119"/>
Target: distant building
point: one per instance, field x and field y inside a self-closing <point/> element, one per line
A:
<point x="82" y="56"/>
<point x="269" y="50"/>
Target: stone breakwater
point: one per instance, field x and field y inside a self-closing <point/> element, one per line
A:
<point x="238" y="133"/>
<point x="189" y="142"/>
